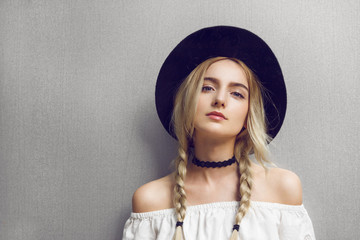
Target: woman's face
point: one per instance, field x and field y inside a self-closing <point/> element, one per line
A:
<point x="223" y="102"/>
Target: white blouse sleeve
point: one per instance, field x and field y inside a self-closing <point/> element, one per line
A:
<point x="150" y="225"/>
<point x="132" y="230"/>
<point x="296" y="225"/>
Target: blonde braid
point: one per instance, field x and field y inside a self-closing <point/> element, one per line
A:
<point x="179" y="190"/>
<point x="245" y="188"/>
<point x="241" y="151"/>
<point x="180" y="195"/>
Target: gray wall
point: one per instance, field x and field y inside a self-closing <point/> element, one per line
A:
<point x="78" y="127"/>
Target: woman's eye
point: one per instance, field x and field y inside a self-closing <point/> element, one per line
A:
<point x="206" y="88"/>
<point x="237" y="94"/>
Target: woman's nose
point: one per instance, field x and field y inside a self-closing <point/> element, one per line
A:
<point x="219" y="99"/>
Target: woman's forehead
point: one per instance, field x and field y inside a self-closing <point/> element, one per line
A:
<point x="226" y="71"/>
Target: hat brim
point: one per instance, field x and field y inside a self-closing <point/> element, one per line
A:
<point x="224" y="41"/>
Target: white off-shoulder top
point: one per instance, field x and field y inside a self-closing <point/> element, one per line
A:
<point x="214" y="221"/>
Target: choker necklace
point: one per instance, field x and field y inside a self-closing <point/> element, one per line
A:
<point x="207" y="164"/>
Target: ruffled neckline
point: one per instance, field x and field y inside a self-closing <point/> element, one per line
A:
<point x="218" y="205"/>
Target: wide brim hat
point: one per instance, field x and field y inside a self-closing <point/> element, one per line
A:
<point x="222" y="41"/>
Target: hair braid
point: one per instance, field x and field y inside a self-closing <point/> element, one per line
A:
<point x="179" y="190"/>
<point x="245" y="188"/>
<point x="242" y="156"/>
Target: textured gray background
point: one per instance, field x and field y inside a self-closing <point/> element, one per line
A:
<point x="78" y="127"/>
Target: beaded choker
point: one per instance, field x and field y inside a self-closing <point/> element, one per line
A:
<point x="207" y="164"/>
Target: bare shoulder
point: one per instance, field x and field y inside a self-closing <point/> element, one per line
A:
<point x="287" y="185"/>
<point x="282" y="186"/>
<point x="153" y="196"/>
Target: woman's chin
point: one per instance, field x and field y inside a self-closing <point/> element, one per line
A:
<point x="214" y="133"/>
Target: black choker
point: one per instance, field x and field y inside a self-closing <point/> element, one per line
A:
<point x="207" y="164"/>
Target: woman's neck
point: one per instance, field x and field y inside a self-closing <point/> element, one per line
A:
<point x="212" y="150"/>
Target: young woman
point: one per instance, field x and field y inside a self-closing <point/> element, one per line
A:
<point x="221" y="94"/>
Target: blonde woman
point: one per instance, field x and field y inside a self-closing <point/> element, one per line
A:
<point x="221" y="94"/>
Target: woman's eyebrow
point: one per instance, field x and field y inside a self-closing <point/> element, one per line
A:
<point x="232" y="84"/>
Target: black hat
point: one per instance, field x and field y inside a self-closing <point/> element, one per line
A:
<point x="222" y="41"/>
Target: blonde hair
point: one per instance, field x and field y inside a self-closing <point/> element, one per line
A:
<point x="252" y="139"/>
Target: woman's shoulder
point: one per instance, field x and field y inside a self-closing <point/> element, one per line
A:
<point x="277" y="185"/>
<point x="154" y="195"/>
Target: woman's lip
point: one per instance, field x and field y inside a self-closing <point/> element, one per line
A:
<point x="216" y="115"/>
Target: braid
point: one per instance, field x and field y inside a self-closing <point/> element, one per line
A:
<point x="179" y="191"/>
<point x="180" y="195"/>
<point x="245" y="187"/>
